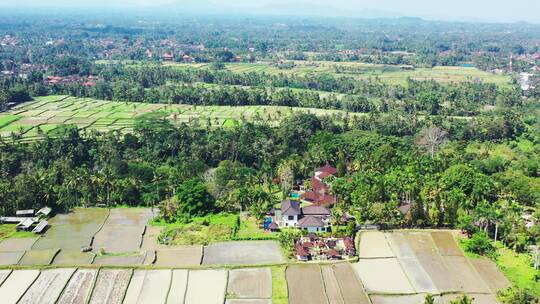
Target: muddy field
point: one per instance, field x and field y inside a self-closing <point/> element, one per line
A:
<point x="418" y="277"/>
<point x="17" y="244"/>
<point x="179" y="256"/>
<point x="242" y="252"/>
<point x="352" y="290"/>
<point x="490" y="274"/>
<point x="331" y="285"/>
<point x="373" y="244"/>
<point x="48" y="286"/>
<point x="400" y="245"/>
<point x="206" y="286"/>
<point x="383" y="276"/>
<point x="461" y="270"/>
<point x="79" y="288"/>
<point x="305" y="285"/>
<point x="406" y="299"/>
<point x="16" y="285"/>
<point x="73" y="257"/>
<point x="179" y="282"/>
<point x="123" y="230"/>
<point x="73" y="230"/>
<point x="3" y="275"/>
<point x="251" y="283"/>
<point x="446" y="244"/>
<point x="10" y="258"/>
<point x="38" y="257"/>
<point x="111" y="285"/>
<point x="135" y="287"/>
<point x="120" y="260"/>
<point x="155" y="286"/>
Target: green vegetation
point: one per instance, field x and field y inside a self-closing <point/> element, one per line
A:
<point x="387" y="73"/>
<point x="518" y="268"/>
<point x="280" y="293"/>
<point x="249" y="229"/>
<point x="200" y="231"/>
<point x="9" y="231"/>
<point x="480" y="244"/>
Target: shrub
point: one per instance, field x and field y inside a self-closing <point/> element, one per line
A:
<point x="480" y="244"/>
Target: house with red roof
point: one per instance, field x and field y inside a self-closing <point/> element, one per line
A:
<point x="310" y="218"/>
<point x="319" y="192"/>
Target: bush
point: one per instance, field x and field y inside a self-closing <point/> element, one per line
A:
<point x="480" y="244"/>
<point x="513" y="295"/>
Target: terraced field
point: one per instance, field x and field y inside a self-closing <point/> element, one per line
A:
<point x="47" y="115"/>
<point x="386" y="73"/>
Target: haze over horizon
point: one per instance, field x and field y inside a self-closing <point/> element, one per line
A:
<point x="457" y="10"/>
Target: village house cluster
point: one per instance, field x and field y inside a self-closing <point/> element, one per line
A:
<point x="312" y="247"/>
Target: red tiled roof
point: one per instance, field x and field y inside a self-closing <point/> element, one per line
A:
<point x="300" y="251"/>
<point x="327" y="169"/>
<point x="332" y="253"/>
<point x="310" y="221"/>
<point x="315" y="210"/>
<point x="348" y="242"/>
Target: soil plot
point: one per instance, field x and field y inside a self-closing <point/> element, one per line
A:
<point x="3" y="275"/>
<point x="79" y="287"/>
<point x="490" y="273"/>
<point x="410" y="299"/>
<point x="177" y="292"/>
<point x="331" y="285"/>
<point x="373" y="244"/>
<point x="179" y="256"/>
<point x="118" y="239"/>
<point x="73" y="257"/>
<point x="305" y="285"/>
<point x="248" y="301"/>
<point x="48" y="286"/>
<point x="206" y="286"/>
<point x="439" y="274"/>
<point x="250" y="283"/>
<point x="383" y="276"/>
<point x="242" y="253"/>
<point x="120" y="260"/>
<point x="38" y="257"/>
<point x="135" y="287"/>
<point x="10" y="258"/>
<point x="111" y="285"/>
<point x="400" y="245"/>
<point x="470" y="280"/>
<point x="351" y="288"/>
<point x="155" y="286"/>
<point x="150" y="238"/>
<point x="16" y="285"/>
<point x="17" y="244"/>
<point x="418" y="277"/>
<point x="73" y="230"/>
<point x="421" y="242"/>
<point x="446" y="243"/>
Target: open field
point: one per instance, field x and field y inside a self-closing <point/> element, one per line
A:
<point x="305" y="285"/>
<point x="206" y="286"/>
<point x="48" y="286"/>
<point x="424" y="262"/>
<point x="73" y="230"/>
<point x="250" y="283"/>
<point x="16" y="285"/>
<point x="243" y="252"/>
<point x="111" y="285"/>
<point x="79" y="288"/>
<point x="386" y="73"/>
<point x="47" y="115"/>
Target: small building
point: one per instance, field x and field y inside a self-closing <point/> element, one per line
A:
<point x="25" y="225"/>
<point x="290" y="212"/>
<point x="312" y="224"/>
<point x="301" y="253"/>
<point x="168" y="56"/>
<point x="25" y="213"/>
<point x="40" y="228"/>
<point x="45" y="211"/>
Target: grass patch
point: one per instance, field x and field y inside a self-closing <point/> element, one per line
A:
<point x="9" y="231"/>
<point x="249" y="230"/>
<point x="518" y="268"/>
<point x="280" y="294"/>
<point x="7" y="119"/>
<point x="200" y="231"/>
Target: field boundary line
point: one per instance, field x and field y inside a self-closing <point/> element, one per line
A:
<point x="65" y="285"/>
<point x="324" y="285"/>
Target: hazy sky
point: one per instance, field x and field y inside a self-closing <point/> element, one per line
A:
<point x="470" y="10"/>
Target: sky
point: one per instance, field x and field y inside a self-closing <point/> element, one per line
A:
<point x="460" y="10"/>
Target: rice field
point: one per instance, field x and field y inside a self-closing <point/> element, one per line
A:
<point x="413" y="263"/>
<point x="387" y="73"/>
<point x="48" y="115"/>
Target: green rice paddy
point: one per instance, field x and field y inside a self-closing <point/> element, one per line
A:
<point x="48" y="115"/>
<point x="386" y="73"/>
